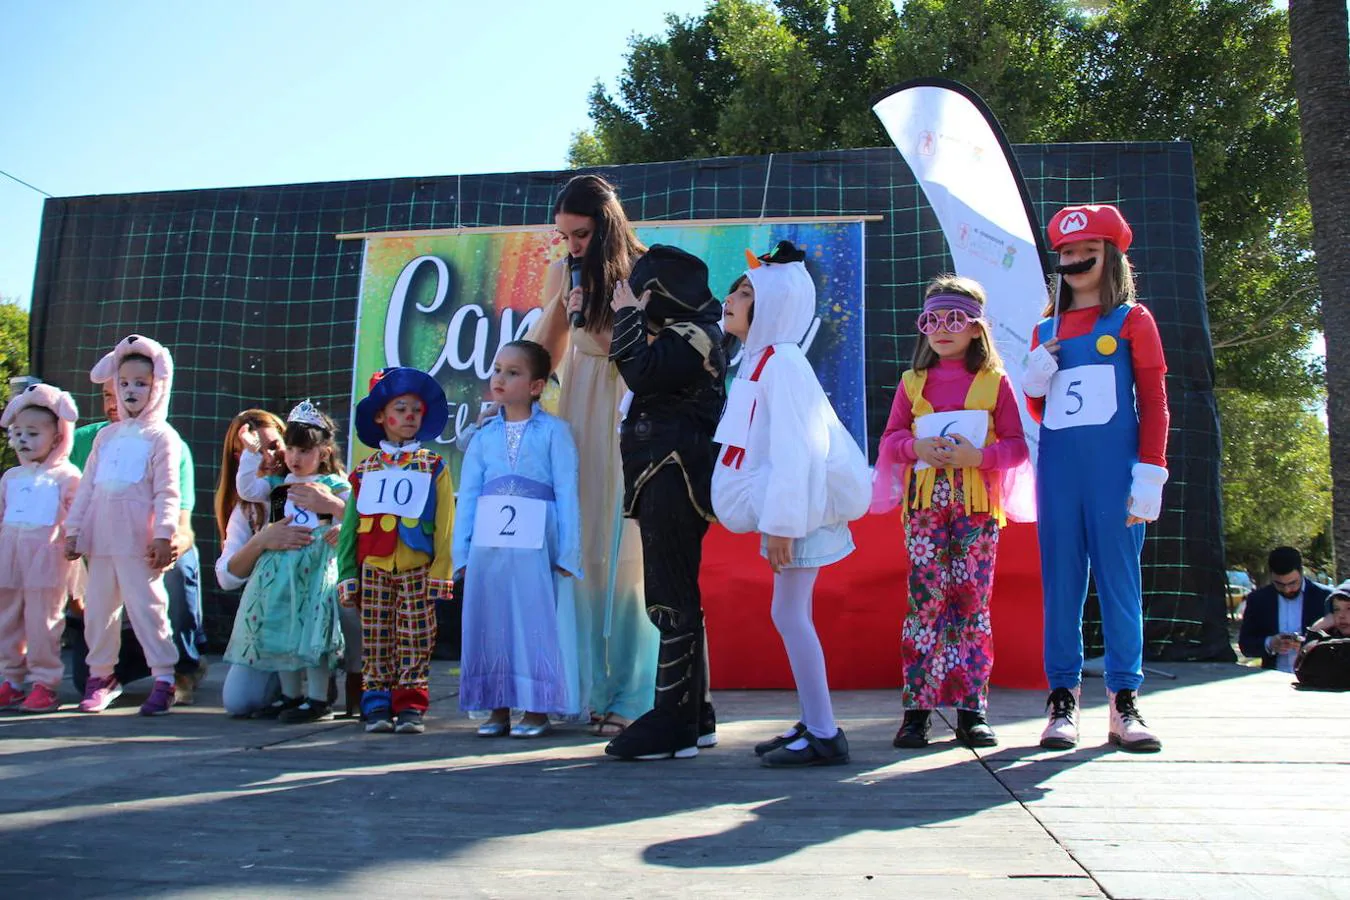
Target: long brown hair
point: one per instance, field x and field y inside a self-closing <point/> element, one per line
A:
<point x="981" y="352"/>
<point x="1116" y="287"/>
<point x="612" y="249"/>
<point x="227" y="498"/>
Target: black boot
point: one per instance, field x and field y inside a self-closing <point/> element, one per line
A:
<point x="914" y="728"/>
<point x="972" y="729"/>
<point x="707" y="726"/>
<point x="671" y="729"/>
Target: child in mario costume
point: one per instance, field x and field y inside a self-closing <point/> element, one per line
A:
<point x="1095" y="383"/>
<point x="394" y="554"/>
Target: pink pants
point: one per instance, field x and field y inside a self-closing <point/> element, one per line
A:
<point x="117" y="581"/>
<point x="31" y="624"/>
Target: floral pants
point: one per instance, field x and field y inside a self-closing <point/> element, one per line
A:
<point x="947" y="646"/>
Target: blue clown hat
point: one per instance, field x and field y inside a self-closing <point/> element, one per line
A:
<point x="395" y="381"/>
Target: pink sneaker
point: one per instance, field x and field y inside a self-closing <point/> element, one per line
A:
<point x="42" y="700"/>
<point x="160" y="700"/>
<point x="1128" y="731"/>
<point x="99" y="693"/>
<point x="1061" y="726"/>
<point x="10" y="696"/>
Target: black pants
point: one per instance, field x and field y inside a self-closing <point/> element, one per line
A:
<point x="672" y="552"/>
<point x="184" y="586"/>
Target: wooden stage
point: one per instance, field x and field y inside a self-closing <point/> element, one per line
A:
<point x="1248" y="799"/>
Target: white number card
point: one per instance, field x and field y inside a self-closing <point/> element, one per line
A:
<point x="31" y="502"/>
<point x="301" y="517"/>
<point x="1083" y="395"/>
<point x="733" y="429"/>
<point x="505" y="521"/>
<point x="123" y="460"/>
<point x="971" y="424"/>
<point x="394" y="492"/>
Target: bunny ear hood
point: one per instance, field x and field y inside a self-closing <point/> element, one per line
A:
<point x="55" y="401"/>
<point x="157" y="410"/>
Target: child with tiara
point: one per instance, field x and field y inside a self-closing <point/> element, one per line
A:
<point x="35" y="496"/>
<point x="953" y="437"/>
<point x="518" y="533"/>
<point x="394" y="555"/>
<point x="791" y="471"/>
<point x="288" y="619"/>
<point x="1095" y="380"/>
<point x="123" y="518"/>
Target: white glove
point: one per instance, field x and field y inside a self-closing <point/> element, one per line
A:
<point x="1041" y="367"/>
<point x="1146" y="491"/>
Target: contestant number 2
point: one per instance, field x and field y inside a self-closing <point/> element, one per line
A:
<point x="505" y="521"/>
<point x="396" y="492"/>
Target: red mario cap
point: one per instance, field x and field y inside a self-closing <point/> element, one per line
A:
<point x="1084" y="223"/>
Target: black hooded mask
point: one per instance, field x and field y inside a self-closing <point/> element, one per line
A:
<point x="678" y="282"/>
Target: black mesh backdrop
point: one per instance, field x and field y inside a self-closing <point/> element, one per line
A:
<point x="257" y="301"/>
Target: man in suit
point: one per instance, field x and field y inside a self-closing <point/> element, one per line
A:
<point x="1277" y="614"/>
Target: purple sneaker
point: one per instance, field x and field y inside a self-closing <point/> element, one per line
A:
<point x="160" y="700"/>
<point x="99" y="693"/>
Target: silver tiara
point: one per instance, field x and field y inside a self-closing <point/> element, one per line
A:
<point x="307" y="413"/>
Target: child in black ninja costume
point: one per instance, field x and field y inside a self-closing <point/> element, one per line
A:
<point x="667" y="346"/>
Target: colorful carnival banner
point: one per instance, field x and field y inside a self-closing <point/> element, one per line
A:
<point x="444" y="302"/>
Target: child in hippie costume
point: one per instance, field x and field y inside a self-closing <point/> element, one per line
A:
<point x="953" y="435"/>
<point x="288" y="619"/>
<point x="123" y="518"/>
<point x="791" y="471"/>
<point x="518" y="536"/>
<point x="35" y="575"/>
<point x="1095" y="383"/>
<point x="394" y="555"/>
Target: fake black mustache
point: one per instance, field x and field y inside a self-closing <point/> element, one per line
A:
<point x="1077" y="268"/>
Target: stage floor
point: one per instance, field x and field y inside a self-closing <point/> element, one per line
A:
<point x="1247" y="799"/>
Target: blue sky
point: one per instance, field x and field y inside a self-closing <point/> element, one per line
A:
<point x="108" y="98"/>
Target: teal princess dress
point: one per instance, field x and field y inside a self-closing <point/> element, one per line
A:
<point x="288" y="615"/>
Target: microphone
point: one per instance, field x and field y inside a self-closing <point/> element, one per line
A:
<point x="574" y="267"/>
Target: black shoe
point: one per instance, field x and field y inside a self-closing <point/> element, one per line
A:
<point x="274" y="709"/>
<point x="309" y="710"/>
<point x="657" y="734"/>
<point x="379" y="721"/>
<point x="410" y="722"/>
<point x="707" y="727"/>
<point x="914" y="729"/>
<point x="780" y="740"/>
<point x="972" y="729"/>
<point x="817" y="752"/>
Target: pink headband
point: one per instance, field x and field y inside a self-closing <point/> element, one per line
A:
<point x="968" y="305"/>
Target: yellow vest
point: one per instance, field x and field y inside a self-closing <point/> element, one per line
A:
<point x="983" y="394"/>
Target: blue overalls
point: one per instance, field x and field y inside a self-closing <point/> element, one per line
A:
<point x="1088" y="446"/>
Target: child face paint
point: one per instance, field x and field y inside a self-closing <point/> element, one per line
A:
<point x="1077" y="252"/>
<point x="401" y="417"/>
<point x="135" y="381"/>
<point x="33" y="434"/>
<point x="736" y="310"/>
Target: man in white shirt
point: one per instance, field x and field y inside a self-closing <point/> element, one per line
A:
<point x="1277" y="614"/>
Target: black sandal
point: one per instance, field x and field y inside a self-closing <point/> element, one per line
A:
<point x="277" y="707"/>
<point x="817" y="752"/>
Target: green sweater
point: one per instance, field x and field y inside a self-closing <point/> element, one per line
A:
<point x="84" y="444"/>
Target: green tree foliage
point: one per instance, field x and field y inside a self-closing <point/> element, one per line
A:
<point x="13" y="360"/>
<point x="751" y="76"/>
<point x="1277" y="478"/>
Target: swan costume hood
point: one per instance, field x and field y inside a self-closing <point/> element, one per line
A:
<point x="788" y="466"/>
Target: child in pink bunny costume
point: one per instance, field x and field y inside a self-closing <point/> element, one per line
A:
<point x="35" y="497"/>
<point x="124" y="515"/>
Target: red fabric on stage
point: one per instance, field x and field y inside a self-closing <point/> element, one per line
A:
<point x="859" y="607"/>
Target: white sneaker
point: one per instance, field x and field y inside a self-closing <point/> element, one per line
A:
<point x="1061" y="727"/>
<point x="1128" y="731"/>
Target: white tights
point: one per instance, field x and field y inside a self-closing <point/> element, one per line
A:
<point x="791" y="613"/>
<point x="315" y="683"/>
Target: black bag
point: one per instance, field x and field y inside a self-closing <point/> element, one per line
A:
<point x="1324" y="665"/>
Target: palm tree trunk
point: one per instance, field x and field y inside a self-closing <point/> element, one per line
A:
<point x="1320" y="50"/>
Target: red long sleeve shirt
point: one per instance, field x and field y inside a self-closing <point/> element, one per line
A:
<point x="1150" y="367"/>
